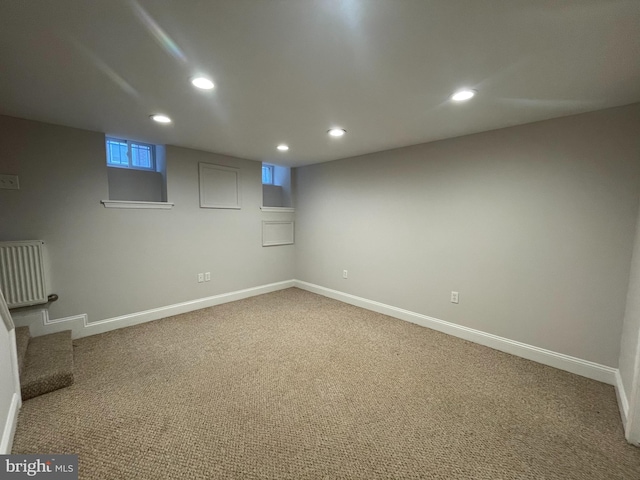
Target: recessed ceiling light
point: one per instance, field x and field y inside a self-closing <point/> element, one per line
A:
<point x="282" y="147"/>
<point x="462" y="95"/>
<point x="337" y="132"/>
<point x="160" y="118"/>
<point x="202" y="83"/>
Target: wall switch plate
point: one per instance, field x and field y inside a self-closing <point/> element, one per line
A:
<point x="9" y="182"/>
<point x="200" y="277"/>
<point x="207" y="277"/>
<point x="345" y="274"/>
<point x="454" y="297"/>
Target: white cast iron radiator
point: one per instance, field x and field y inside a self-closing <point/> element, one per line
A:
<point x="22" y="273"/>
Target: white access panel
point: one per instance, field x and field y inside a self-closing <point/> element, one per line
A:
<point x="277" y="233"/>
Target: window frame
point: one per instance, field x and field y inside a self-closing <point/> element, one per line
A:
<point x="272" y="170"/>
<point x="130" y="165"/>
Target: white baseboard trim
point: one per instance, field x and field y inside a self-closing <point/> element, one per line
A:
<point x="48" y="321"/>
<point x="561" y="361"/>
<point x="623" y="401"/>
<point x="81" y="327"/>
<point x="10" y="425"/>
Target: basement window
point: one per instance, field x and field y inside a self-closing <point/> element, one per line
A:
<point x="276" y="187"/>
<point x="128" y="154"/>
<point x="136" y="171"/>
<point x="267" y="174"/>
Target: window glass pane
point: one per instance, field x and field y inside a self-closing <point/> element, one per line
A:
<point x="117" y="153"/>
<point x="141" y="156"/>
<point x="267" y="174"/>
<point x="127" y="154"/>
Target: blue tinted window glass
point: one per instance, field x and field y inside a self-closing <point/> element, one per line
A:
<point x="117" y="153"/>
<point x="141" y="156"/>
<point x="127" y="154"/>
<point x="267" y="174"/>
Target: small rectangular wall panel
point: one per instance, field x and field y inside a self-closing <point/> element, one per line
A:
<point x="219" y="186"/>
<point x="22" y="273"/>
<point x="277" y="233"/>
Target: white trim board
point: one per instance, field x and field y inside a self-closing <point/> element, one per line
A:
<point x="585" y="368"/>
<point x="632" y="425"/>
<point x="137" y="204"/>
<point x="623" y="401"/>
<point x="13" y="347"/>
<point x="9" y="430"/>
<point x="11" y="421"/>
<point x="278" y="209"/>
<point x="81" y="327"/>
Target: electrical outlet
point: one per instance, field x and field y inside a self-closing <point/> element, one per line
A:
<point x="200" y="277"/>
<point x="207" y="277"/>
<point x="345" y="274"/>
<point x="454" y="297"/>
<point x="9" y="182"/>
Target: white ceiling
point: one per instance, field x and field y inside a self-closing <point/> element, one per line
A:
<point x="288" y="70"/>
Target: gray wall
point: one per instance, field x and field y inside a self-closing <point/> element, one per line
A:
<point x="282" y="177"/>
<point x="139" y="185"/>
<point x="272" y="196"/>
<point x="110" y="262"/>
<point x="631" y="325"/>
<point x="533" y="225"/>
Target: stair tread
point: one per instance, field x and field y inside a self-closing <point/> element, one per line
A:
<point x="48" y="364"/>
<point x="22" y="342"/>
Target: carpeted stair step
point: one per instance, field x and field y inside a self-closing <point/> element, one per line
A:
<point x="48" y="364"/>
<point x="22" y="342"/>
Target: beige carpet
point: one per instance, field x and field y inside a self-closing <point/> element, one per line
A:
<point x="48" y="364"/>
<point x="294" y="385"/>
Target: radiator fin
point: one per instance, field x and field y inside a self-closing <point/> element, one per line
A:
<point x="22" y="273"/>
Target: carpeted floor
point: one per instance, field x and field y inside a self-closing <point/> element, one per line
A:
<point x="297" y="386"/>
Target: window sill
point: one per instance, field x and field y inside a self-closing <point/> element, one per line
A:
<point x="134" y="204"/>
<point x="278" y="209"/>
